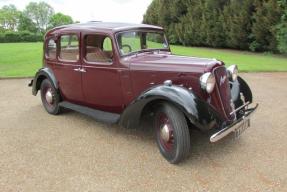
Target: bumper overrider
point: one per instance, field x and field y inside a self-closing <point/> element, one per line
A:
<point x="236" y="127"/>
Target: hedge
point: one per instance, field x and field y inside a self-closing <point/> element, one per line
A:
<point x="22" y="36"/>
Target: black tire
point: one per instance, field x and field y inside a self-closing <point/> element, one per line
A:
<point x="51" y="107"/>
<point x="177" y="148"/>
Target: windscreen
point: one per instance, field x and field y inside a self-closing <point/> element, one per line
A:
<point x="138" y="41"/>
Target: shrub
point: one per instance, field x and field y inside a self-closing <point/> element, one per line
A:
<point x="22" y="36"/>
<point x="12" y="37"/>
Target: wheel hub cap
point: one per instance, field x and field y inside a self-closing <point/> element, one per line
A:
<point x="49" y="96"/>
<point x="165" y="133"/>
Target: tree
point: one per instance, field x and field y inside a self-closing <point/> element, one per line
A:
<point x="9" y="16"/>
<point x="152" y="14"/>
<point x="60" y="19"/>
<point x="40" y="13"/>
<point x="26" y="24"/>
<point x="212" y="24"/>
<point x="258" y="25"/>
<point x="266" y="19"/>
<point x="282" y="28"/>
<point x="190" y="29"/>
<point x="238" y="23"/>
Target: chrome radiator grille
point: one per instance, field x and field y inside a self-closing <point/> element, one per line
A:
<point x="223" y="90"/>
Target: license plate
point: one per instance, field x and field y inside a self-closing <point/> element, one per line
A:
<point x="244" y="125"/>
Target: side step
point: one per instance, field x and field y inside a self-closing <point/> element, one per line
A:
<point x="101" y="116"/>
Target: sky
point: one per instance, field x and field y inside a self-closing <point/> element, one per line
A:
<point x="130" y="11"/>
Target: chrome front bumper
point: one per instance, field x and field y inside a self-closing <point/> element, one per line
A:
<point x="234" y="126"/>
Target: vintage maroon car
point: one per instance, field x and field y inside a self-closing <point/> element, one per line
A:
<point x="118" y="73"/>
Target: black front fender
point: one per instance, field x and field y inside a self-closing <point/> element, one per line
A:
<point x="197" y="111"/>
<point x="43" y="73"/>
<point x="240" y="86"/>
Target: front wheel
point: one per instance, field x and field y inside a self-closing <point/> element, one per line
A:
<point x="172" y="133"/>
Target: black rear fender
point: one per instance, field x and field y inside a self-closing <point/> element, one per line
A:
<point x="44" y="73"/>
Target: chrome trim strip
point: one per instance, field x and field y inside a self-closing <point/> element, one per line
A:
<point x="240" y="108"/>
<point x="231" y="128"/>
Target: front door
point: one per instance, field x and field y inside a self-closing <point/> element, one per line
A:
<point x="68" y="68"/>
<point x="101" y="80"/>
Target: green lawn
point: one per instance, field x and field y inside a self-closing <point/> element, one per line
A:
<point x="20" y="59"/>
<point x="23" y="59"/>
<point x="246" y="61"/>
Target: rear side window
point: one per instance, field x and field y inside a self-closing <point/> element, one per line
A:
<point x="51" y="49"/>
<point x="69" y="47"/>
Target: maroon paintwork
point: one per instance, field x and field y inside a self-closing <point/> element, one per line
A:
<point x="112" y="87"/>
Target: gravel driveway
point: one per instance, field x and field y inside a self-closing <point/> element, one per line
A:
<point x="72" y="152"/>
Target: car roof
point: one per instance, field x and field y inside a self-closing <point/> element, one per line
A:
<point x="105" y="26"/>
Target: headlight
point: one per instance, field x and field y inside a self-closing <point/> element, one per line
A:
<point x="233" y="72"/>
<point x="207" y="82"/>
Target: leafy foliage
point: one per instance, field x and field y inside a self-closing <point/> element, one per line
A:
<point x="266" y="17"/>
<point x="282" y="28"/>
<point x="257" y="25"/>
<point x="60" y="19"/>
<point x="26" y="24"/>
<point x="40" y="13"/>
<point x="22" y="36"/>
<point x="9" y="16"/>
<point x="30" y="24"/>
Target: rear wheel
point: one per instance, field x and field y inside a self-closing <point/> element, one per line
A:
<point x="50" y="97"/>
<point x="172" y="133"/>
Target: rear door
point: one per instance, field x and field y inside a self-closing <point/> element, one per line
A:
<point x="68" y="68"/>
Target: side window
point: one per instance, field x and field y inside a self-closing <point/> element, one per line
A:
<point x="98" y="48"/>
<point x="69" y="47"/>
<point x="107" y="44"/>
<point x="51" y="51"/>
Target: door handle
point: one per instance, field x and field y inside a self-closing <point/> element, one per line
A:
<point x="80" y="70"/>
<point x="83" y="70"/>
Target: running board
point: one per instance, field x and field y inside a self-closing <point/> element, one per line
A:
<point x="101" y="116"/>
